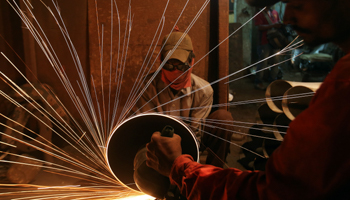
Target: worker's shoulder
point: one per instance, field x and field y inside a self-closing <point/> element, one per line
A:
<point x="199" y="83"/>
<point x="340" y="71"/>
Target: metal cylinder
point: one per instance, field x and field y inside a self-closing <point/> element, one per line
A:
<point x="293" y="102"/>
<point x="125" y="152"/>
<point x="280" y="126"/>
<point x="277" y="89"/>
<point x="274" y="93"/>
<point x="265" y="114"/>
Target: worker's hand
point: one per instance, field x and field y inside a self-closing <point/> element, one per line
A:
<point x="162" y="152"/>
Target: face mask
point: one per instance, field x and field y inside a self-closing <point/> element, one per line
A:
<point x="177" y="78"/>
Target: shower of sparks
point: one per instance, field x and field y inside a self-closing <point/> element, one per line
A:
<point x="86" y="159"/>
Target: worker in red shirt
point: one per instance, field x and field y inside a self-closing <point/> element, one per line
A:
<point x="266" y="20"/>
<point x="312" y="161"/>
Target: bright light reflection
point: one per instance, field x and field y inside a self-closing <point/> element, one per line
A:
<point x="140" y="197"/>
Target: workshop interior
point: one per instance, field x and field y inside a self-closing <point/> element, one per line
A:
<point x="72" y="71"/>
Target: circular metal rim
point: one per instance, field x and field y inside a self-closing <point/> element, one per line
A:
<point x="141" y="115"/>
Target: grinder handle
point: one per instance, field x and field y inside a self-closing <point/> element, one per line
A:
<point x="168" y="131"/>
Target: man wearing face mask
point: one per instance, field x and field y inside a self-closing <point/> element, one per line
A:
<point x="178" y="92"/>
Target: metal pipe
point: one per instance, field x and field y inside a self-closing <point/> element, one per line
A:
<point x="292" y="104"/>
<point x="281" y="122"/>
<point x="276" y="90"/>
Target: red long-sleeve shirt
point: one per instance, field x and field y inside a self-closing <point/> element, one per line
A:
<point x="313" y="161"/>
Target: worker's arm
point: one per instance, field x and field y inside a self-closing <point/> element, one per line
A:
<point x="196" y="181"/>
<point x="205" y="182"/>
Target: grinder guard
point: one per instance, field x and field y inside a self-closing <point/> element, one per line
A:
<point x="130" y="138"/>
